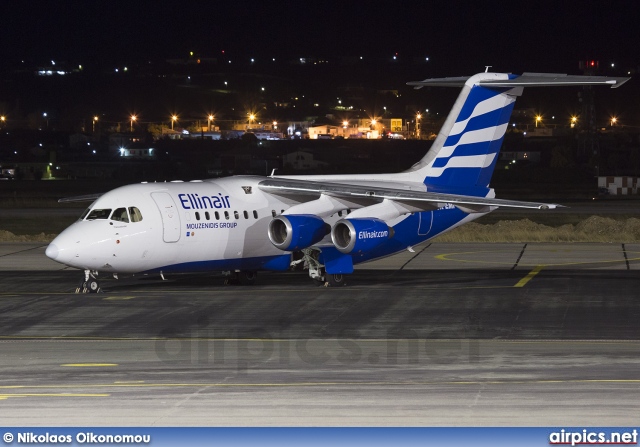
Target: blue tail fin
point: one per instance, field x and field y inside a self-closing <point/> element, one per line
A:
<point x="465" y="152"/>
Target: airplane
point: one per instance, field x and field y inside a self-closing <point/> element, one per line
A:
<point x="240" y="225"/>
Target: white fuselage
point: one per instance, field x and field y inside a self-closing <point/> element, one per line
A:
<point x="201" y="225"/>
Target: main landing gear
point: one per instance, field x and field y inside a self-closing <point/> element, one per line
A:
<point x="241" y="277"/>
<point x="311" y="260"/>
<point x="90" y="283"/>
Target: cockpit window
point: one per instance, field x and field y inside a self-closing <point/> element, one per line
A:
<point x="99" y="214"/>
<point x="120" y="215"/>
<point x="136" y="215"/>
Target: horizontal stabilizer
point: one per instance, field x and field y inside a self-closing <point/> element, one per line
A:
<point x="525" y="80"/>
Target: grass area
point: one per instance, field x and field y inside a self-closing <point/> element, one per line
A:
<point x="591" y="229"/>
<point x="32" y="226"/>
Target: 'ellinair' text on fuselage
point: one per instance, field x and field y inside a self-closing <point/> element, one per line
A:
<point x="195" y="202"/>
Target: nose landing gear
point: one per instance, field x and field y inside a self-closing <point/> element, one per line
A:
<point x="90" y="283"/>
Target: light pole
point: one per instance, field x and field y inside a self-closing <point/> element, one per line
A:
<point x="46" y="117"/>
<point x="614" y="120"/>
<point x="93" y="126"/>
<point x="3" y="120"/>
<point x="132" y="118"/>
<point x="538" y="119"/>
<point x="210" y="117"/>
<point x="174" y="118"/>
<point x="418" y="117"/>
<point x="574" y="121"/>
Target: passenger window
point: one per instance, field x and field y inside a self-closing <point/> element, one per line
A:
<point x="273" y="213"/>
<point x="255" y="214"/>
<point x="236" y="215"/>
<point x="206" y="215"/>
<point x="99" y="214"/>
<point x="136" y="215"/>
<point x="197" y="215"/>
<point x="217" y="215"/>
<point x="340" y="213"/>
<point x="246" y="215"/>
<point x="226" y="215"/>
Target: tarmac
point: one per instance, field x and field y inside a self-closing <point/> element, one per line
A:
<point x="447" y="335"/>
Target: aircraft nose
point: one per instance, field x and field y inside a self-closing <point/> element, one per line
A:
<point x="52" y="251"/>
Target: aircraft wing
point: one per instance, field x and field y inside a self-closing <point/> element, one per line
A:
<point x="85" y="198"/>
<point x="420" y="199"/>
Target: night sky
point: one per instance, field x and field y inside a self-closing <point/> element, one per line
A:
<point x="460" y="37"/>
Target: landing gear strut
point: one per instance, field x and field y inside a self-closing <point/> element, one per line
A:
<point x="317" y="272"/>
<point x="90" y="283"/>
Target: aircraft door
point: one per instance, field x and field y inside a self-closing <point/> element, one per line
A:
<point x="170" y="216"/>
<point x="426" y="222"/>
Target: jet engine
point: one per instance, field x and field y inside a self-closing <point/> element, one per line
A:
<point x="359" y="235"/>
<point x="295" y="232"/>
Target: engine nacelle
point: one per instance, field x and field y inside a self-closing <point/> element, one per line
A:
<point x="359" y="235"/>
<point x="295" y="232"/>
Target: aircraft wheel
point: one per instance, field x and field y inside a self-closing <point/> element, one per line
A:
<point x="248" y="277"/>
<point x="83" y="287"/>
<point x="244" y="277"/>
<point x="93" y="286"/>
<point x="335" y="280"/>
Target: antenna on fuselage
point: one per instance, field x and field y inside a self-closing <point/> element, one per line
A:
<point x="487" y="67"/>
<point x="273" y="172"/>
